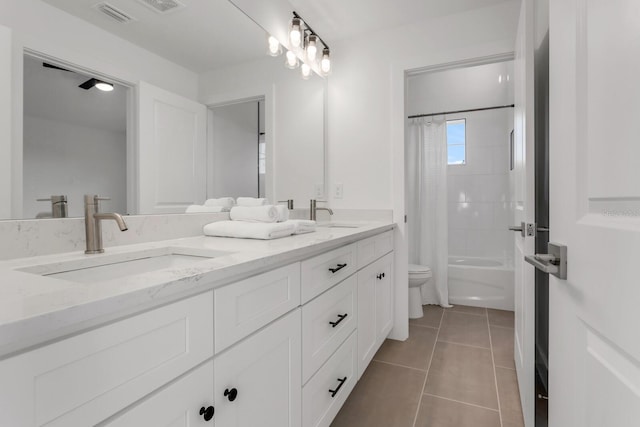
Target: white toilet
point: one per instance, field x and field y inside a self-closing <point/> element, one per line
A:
<point x="418" y="276"/>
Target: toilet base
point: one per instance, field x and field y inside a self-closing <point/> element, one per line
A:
<point x="415" y="303"/>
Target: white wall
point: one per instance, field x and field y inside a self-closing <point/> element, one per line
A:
<point x="40" y="27"/>
<point x="63" y="158"/>
<point x="5" y="121"/>
<point x="234" y="150"/>
<point x="479" y="202"/>
<point x="295" y="107"/>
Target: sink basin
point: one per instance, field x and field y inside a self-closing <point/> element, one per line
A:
<point x="100" y="268"/>
<point x="338" y="225"/>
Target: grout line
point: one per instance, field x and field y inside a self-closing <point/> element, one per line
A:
<point x="423" y="326"/>
<point x="495" y="375"/>
<point x="399" y="365"/>
<point x="460" y="401"/>
<point x="435" y="342"/>
<point x="466" y="345"/>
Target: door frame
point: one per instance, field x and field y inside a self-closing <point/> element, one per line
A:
<point x="264" y="93"/>
<point x="18" y="123"/>
<point x="399" y="73"/>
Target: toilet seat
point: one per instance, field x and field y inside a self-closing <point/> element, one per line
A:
<point x="416" y="270"/>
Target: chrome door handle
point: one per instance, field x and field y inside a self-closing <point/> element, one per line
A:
<point x="521" y="228"/>
<point x="528" y="229"/>
<point x="555" y="262"/>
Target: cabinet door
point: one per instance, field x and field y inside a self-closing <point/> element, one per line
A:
<point x="187" y="402"/>
<point x="258" y="381"/>
<point x="375" y="308"/>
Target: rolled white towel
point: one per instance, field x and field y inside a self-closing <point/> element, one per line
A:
<point x="225" y="202"/>
<point x="283" y="213"/>
<point x="267" y="213"/>
<point x="303" y="225"/>
<point x="249" y="230"/>
<point x="251" y="201"/>
<point x="204" y="209"/>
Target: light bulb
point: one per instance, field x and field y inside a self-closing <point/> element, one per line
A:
<point x="312" y="48"/>
<point x="325" y="63"/>
<point x="103" y="86"/>
<point x="274" y="46"/>
<point x="295" y="34"/>
<point x="292" y="60"/>
<point x="306" y="70"/>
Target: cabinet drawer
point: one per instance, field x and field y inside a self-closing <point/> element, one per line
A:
<point x="323" y="271"/>
<point x="87" y="378"/>
<point x="244" y="307"/>
<point x="326" y="322"/>
<point x="177" y="405"/>
<point x="372" y="248"/>
<point x="321" y="397"/>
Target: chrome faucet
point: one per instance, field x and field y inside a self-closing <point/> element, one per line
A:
<point x="58" y="206"/>
<point x="313" y="209"/>
<point x="93" y="226"/>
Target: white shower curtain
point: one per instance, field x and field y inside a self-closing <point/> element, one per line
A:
<point x="426" y="174"/>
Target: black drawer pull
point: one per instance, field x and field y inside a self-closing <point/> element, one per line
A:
<point x="341" y="381"/>
<point x="338" y="268"/>
<point x="207" y="413"/>
<point x="340" y="319"/>
<point x="231" y="394"/>
<point x="380" y="276"/>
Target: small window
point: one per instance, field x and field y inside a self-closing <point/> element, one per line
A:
<point x="456" y="138"/>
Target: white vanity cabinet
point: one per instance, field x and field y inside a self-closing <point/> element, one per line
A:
<point x="283" y="348"/>
<point x="375" y="308"/>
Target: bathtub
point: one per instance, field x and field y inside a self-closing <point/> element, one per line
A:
<point x="481" y="282"/>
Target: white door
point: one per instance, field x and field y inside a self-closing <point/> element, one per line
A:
<point x="523" y="190"/>
<point x="258" y="382"/>
<point x="594" y="315"/>
<point x="172" y="151"/>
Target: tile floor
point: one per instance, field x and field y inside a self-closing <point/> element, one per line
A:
<point x="455" y="370"/>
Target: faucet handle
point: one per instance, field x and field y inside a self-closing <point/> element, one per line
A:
<point x="101" y="198"/>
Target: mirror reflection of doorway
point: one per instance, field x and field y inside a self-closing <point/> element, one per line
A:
<point x="75" y="139"/>
<point x="237" y="150"/>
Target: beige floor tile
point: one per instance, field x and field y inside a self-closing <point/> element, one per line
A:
<point x="432" y="316"/>
<point x="437" y="412"/>
<point x="502" y="342"/>
<point x="415" y="352"/>
<point x="501" y="318"/>
<point x="462" y="328"/>
<point x="480" y="311"/>
<point x="385" y="396"/>
<point x="509" y="398"/>
<point x="462" y="373"/>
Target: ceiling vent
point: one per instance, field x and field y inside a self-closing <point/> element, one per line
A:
<point x="163" y="6"/>
<point x="114" y="13"/>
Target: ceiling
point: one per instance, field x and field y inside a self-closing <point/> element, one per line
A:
<point x="54" y="95"/>
<point x="204" y="35"/>
<point x="340" y="19"/>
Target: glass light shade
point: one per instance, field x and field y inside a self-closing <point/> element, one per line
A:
<point x="103" y="86"/>
<point x="295" y="33"/>
<point x="274" y="46"/>
<point x="312" y="48"/>
<point x="325" y="62"/>
<point x="306" y="71"/>
<point x="292" y="60"/>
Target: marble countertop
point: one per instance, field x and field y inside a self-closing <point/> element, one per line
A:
<point x="35" y="309"/>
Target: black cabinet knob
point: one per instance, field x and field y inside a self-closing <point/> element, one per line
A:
<point x="207" y="413"/>
<point x="380" y="276"/>
<point x="231" y="394"/>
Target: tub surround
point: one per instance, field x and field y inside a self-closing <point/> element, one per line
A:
<point x="35" y="309"/>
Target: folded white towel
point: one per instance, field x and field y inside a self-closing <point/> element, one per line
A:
<point x="251" y="201"/>
<point x="302" y="225"/>
<point x="283" y="213"/>
<point x="249" y="230"/>
<point x="205" y="209"/>
<point x="267" y="213"/>
<point x="225" y="202"/>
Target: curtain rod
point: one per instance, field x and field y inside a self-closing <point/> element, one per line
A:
<point x="461" y="111"/>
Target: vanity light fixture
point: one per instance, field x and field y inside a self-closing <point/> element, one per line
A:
<point x="304" y="46"/>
